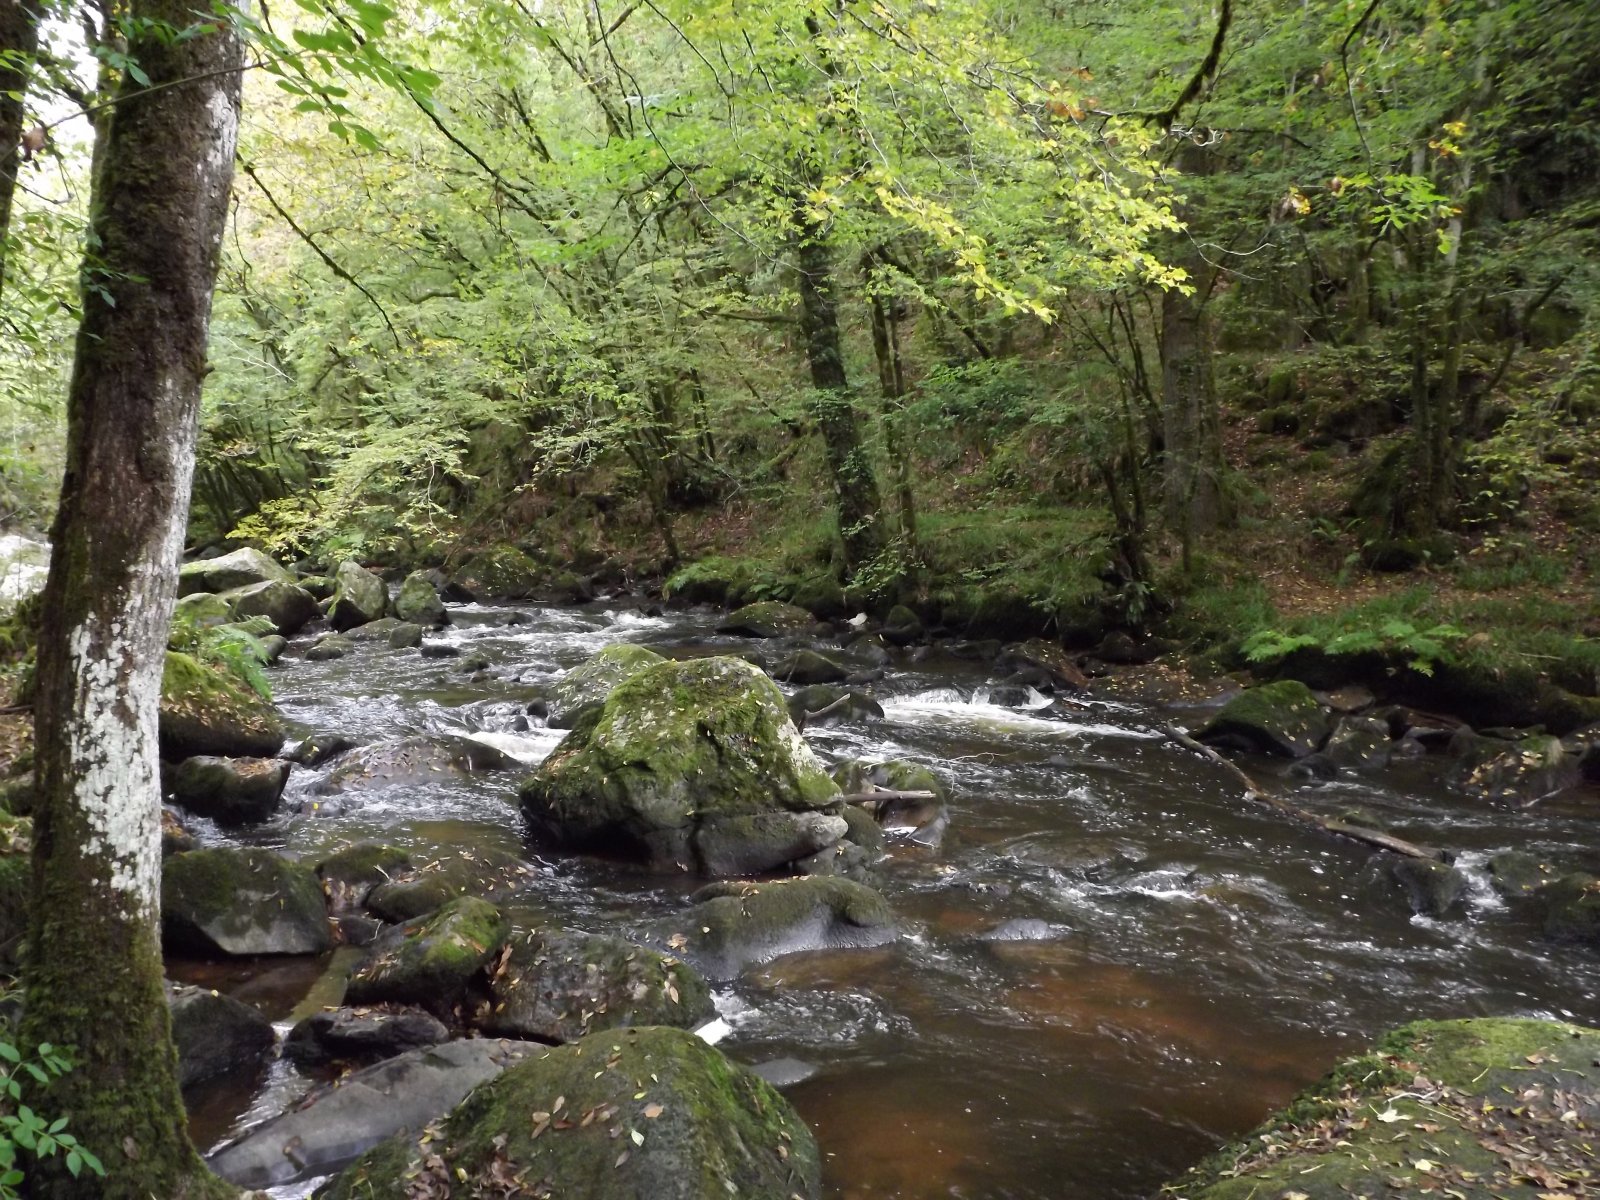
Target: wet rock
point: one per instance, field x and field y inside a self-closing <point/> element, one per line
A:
<point x="1430" y="730"/>
<point x="1281" y="718"/>
<point x="735" y="925"/>
<point x="1511" y="772"/>
<point x="869" y="650"/>
<point x="411" y="761"/>
<point x="902" y="626"/>
<point x="784" y="1072"/>
<point x="205" y="710"/>
<point x="228" y="901"/>
<point x="418" y="601"/>
<point x="1063" y="670"/>
<point x="273" y="648"/>
<point x="1572" y="909"/>
<point x="1315" y="768"/>
<point x="405" y="636"/>
<point x="583" y="689"/>
<point x="380" y="630"/>
<point x="240" y="568"/>
<point x="559" y="988"/>
<point x="215" y="1034"/>
<point x="676" y="747"/>
<point x="432" y="881"/>
<point x="1518" y="876"/>
<point x="175" y="836"/>
<point x="1020" y="929"/>
<point x="922" y="822"/>
<point x="1359" y="744"/>
<point x="321" y="587"/>
<point x="844" y="859"/>
<point x="767" y="619"/>
<point x="328" y="647"/>
<point x="472" y="664"/>
<point x="359" y="597"/>
<point x="334" y="1125"/>
<point x="349" y="875"/>
<point x="826" y="704"/>
<point x="231" y="791"/>
<point x="635" y="1114"/>
<point x="1011" y="696"/>
<point x="361" y="1035"/>
<point x="432" y="959"/>
<point x="1350" y="699"/>
<point x="287" y="605"/>
<point x="1433" y="889"/>
<point x="808" y="667"/>
<point x="1120" y="649"/>
<point x="755" y="842"/>
<point x="1451" y="1078"/>
<point x="318" y="749"/>
<point x="440" y="650"/>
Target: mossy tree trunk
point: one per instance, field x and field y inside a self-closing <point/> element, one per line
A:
<point x="93" y="972"/>
<point x="19" y="42"/>
<point x="854" y="484"/>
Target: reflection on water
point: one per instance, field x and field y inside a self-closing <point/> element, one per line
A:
<point x="1111" y="963"/>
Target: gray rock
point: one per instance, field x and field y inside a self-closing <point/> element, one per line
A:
<point x="405" y="636"/>
<point x="826" y="704"/>
<point x="432" y="881"/>
<point x="380" y="630"/>
<point x="1519" y="876"/>
<point x="1511" y="772"/>
<point x="360" y="1035"/>
<point x="430" y="960"/>
<point x="1281" y="718"/>
<point x="418" y="601"/>
<point x="335" y="1124"/>
<point x="411" y="761"/>
<point x="215" y="1034"/>
<point x="228" y="901"/>
<point x="231" y="791"/>
<point x="359" y="597"/>
<point x="329" y="646"/>
<point x="240" y="568"/>
<point x="287" y="605"/>
<point x="440" y="650"/>
<point x="758" y="842"/>
<point x="1432" y="888"/>
<point x="768" y="619"/>
<point x="808" y="667"/>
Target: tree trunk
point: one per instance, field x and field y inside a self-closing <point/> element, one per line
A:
<point x="93" y="972"/>
<point x="854" y="485"/>
<point x="19" y="42"/>
<point x="892" y="383"/>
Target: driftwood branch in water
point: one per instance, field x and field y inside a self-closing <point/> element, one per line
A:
<point x="827" y="710"/>
<point x="1372" y="837"/>
<point x="879" y="795"/>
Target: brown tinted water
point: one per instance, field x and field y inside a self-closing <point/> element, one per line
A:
<point x="1187" y="961"/>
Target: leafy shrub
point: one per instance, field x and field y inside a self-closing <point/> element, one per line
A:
<point x="26" y="1134"/>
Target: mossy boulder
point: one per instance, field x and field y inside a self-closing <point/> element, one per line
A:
<point x="202" y="610"/>
<point x="822" y="595"/>
<point x="231" y="791"/>
<point x="676" y="749"/>
<point x="1517" y="875"/>
<point x="418" y="601"/>
<point x="205" y="710"/>
<point x="920" y="821"/>
<point x="1572" y="909"/>
<point x="561" y="987"/>
<point x="350" y="873"/>
<point x="584" y="688"/>
<point x="807" y="667"/>
<point x="1511" y="772"/>
<point x="499" y="573"/>
<point x="430" y="960"/>
<point x="328" y="647"/>
<point x="1432" y="888"/>
<point x="216" y="1034"/>
<point x="767" y="619"/>
<point x="380" y="630"/>
<point x="1484" y="1109"/>
<point x="227" y="901"/>
<point x="287" y="605"/>
<point x="1281" y="718"/>
<point x="1359" y="743"/>
<point x="636" y="1114"/>
<point x="359" y="597"/>
<point x="735" y="925"/>
<point x="433" y="880"/>
<point x="237" y="569"/>
<point x="406" y="635"/>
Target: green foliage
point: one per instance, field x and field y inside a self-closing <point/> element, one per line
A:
<point x="235" y="646"/>
<point x="1420" y="649"/>
<point x="26" y="1135"/>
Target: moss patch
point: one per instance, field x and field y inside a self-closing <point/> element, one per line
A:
<point x="206" y="711"/>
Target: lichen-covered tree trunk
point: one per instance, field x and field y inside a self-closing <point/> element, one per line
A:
<point x="854" y="484"/>
<point x="92" y="974"/>
<point x="19" y="42"/>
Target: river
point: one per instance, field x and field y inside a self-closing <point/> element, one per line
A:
<point x="1189" y="960"/>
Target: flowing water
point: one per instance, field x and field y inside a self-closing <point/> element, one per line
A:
<point x="1111" y="963"/>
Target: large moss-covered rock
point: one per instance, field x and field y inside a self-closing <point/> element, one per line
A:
<point x="359" y="597"/>
<point x="216" y="1034"/>
<point x="432" y="959"/>
<point x="350" y="873"/>
<point x="412" y="761"/>
<point x="1281" y="718"/>
<point x="205" y="710"/>
<point x="636" y="1114"/>
<point x="767" y="619"/>
<point x="677" y="749"/>
<point x="418" y="601"/>
<point x="287" y="605"/>
<point x="735" y="925"/>
<point x="237" y="569"/>
<point x="433" y="880"/>
<point x="561" y="987"/>
<point x="231" y="791"/>
<point x="585" y="687"/>
<point x="499" y="573"/>
<point x="1512" y="772"/>
<point x="227" y="901"/>
<point x="1486" y="1109"/>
